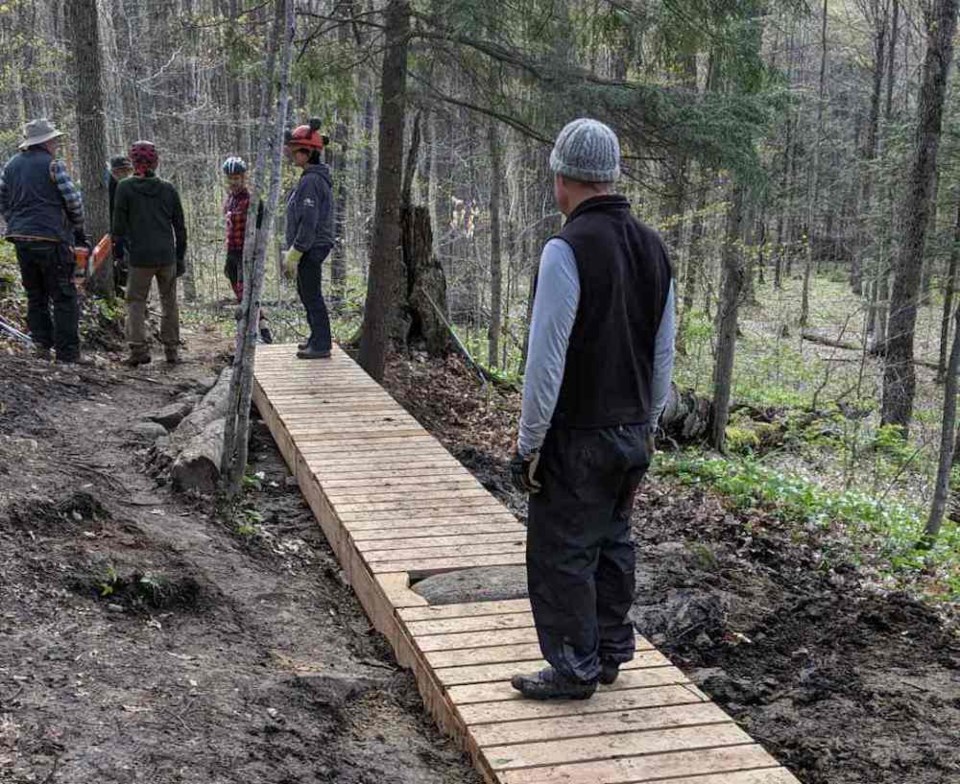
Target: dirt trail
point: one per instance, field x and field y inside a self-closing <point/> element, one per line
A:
<point x="144" y="639"/>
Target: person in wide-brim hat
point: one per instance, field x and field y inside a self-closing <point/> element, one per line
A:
<point x="38" y="132"/>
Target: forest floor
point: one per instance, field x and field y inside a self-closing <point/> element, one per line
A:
<point x="843" y="684"/>
<point x="149" y="637"/>
<point x="145" y="636"/>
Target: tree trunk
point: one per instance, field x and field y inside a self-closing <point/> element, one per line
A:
<point x="814" y="175"/>
<point x="383" y="284"/>
<point x="948" y="294"/>
<point x="496" y="261"/>
<point x="871" y="138"/>
<point x="899" y="378"/>
<point x="942" y="487"/>
<point x="727" y="313"/>
<point x="92" y="140"/>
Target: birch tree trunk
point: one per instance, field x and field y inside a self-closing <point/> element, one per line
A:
<point x="814" y="175"/>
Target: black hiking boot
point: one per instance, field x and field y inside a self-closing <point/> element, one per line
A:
<point x="303" y="346"/>
<point x="312" y="353"/>
<point x="548" y="684"/>
<point x="609" y="672"/>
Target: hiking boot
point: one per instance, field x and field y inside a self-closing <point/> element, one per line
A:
<point x="303" y="346"/>
<point x="266" y="336"/>
<point x="609" y="672"/>
<point x="548" y="684"/>
<point x="138" y="358"/>
<point x="171" y="355"/>
<point x="43" y="352"/>
<point x="312" y="353"/>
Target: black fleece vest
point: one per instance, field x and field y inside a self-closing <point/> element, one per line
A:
<point x="624" y="281"/>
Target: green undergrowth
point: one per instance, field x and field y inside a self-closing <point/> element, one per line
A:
<point x="889" y="531"/>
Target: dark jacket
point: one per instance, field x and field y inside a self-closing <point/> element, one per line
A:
<point x="148" y="215"/>
<point x="625" y="278"/>
<point x="33" y="200"/>
<point x="310" y="210"/>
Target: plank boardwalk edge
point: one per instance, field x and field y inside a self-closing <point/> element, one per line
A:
<point x="460" y="674"/>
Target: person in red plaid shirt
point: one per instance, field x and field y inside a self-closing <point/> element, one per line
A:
<point x="235" y="211"/>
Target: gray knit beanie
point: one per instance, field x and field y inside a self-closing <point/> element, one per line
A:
<point x="588" y="151"/>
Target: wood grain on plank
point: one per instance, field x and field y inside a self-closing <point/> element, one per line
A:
<point x="466" y="610"/>
<point x="653" y="767"/>
<point x="451" y="551"/>
<point x="427" y="566"/>
<point x="425" y="533"/>
<point x="601" y="702"/>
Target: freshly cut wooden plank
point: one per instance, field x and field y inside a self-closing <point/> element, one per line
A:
<point x="601" y="702"/>
<point x="362" y="471"/>
<point x="325" y="464"/>
<point x="370" y="537"/>
<point x="516" y="652"/>
<point x="352" y="427"/>
<point x="375" y="495"/>
<point x="451" y="551"/>
<point x="756" y="776"/>
<point x="438" y="542"/>
<point x="424" y="519"/>
<point x="497" y="653"/>
<point x="503" y="671"/>
<point x="472" y="623"/>
<point x="532" y="730"/>
<point x="442" y="505"/>
<point x="438" y="565"/>
<point x="467" y="610"/>
<point x="558" y="752"/>
<point x="342" y="434"/>
<point x="447" y="477"/>
<point x="449" y="642"/>
<point x="629" y="679"/>
<point x="396" y="588"/>
<point x="412" y="444"/>
<point x="653" y="767"/>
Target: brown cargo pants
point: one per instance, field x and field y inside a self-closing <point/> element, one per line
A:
<point x="138" y="292"/>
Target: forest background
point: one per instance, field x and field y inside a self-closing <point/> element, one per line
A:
<point x="801" y="162"/>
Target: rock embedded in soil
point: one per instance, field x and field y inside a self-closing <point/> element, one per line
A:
<point x="149" y="431"/>
<point x="171" y="416"/>
<point x="483" y="584"/>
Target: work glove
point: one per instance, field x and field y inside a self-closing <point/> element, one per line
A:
<point x="523" y="472"/>
<point x="290" y="261"/>
<point x="80" y="240"/>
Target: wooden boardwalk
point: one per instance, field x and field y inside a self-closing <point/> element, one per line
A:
<point x="395" y="507"/>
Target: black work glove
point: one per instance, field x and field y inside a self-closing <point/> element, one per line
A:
<point x="181" y="267"/>
<point x="523" y="472"/>
<point x="80" y="240"/>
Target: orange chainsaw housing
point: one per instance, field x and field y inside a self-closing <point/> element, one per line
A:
<point x="87" y="266"/>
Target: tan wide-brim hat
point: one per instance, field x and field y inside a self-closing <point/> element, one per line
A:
<point x="38" y="132"/>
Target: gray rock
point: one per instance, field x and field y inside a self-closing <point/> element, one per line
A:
<point x="149" y="431"/>
<point x="205" y="384"/>
<point x="170" y="416"/>
<point x="483" y="584"/>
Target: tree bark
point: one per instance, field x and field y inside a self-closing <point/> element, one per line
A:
<point x="727" y="313"/>
<point x="84" y="22"/>
<point x="942" y="486"/>
<point x="814" y="175"/>
<point x="383" y="284"/>
<point x="496" y="260"/>
<point x="950" y="288"/>
<point x="899" y="377"/>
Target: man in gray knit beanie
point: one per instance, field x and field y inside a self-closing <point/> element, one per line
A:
<point x="599" y="362"/>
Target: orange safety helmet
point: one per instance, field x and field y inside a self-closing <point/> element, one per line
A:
<point x="306" y="137"/>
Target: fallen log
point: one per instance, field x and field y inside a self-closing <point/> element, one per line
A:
<point x="813" y="337"/>
<point x="197" y="467"/>
<point x="212" y="407"/>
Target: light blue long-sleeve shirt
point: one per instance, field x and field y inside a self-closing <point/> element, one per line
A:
<point x="554" y="313"/>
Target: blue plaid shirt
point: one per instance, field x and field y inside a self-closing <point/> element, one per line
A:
<point x="72" y="200"/>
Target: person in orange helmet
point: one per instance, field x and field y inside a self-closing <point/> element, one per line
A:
<point x="309" y="235"/>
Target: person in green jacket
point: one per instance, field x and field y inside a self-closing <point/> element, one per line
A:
<point x="149" y="216"/>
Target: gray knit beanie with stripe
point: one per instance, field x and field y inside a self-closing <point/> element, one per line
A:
<point x="588" y="151"/>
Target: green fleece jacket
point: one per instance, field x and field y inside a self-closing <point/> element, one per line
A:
<point x="149" y="216"/>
